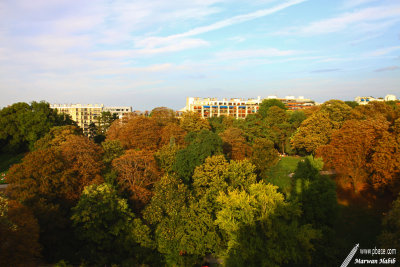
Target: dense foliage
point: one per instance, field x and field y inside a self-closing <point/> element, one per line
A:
<point x="269" y="190"/>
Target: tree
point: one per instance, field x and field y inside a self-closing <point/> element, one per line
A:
<point x="266" y="104"/>
<point x="19" y="235"/>
<point x="167" y="213"/>
<point x="166" y="158"/>
<point x="374" y="110"/>
<point x="235" y="145"/>
<point x="49" y="182"/>
<point x="253" y="127"/>
<point x="390" y="237"/>
<point x="278" y="126"/>
<point x="384" y="161"/>
<point x="172" y="133"/>
<point x="57" y="136"/>
<point x="351" y="104"/>
<point x="221" y="123"/>
<point x="351" y="148"/>
<point x="338" y="112"/>
<point x="163" y="116"/>
<point x="313" y="132"/>
<point x="103" y="221"/>
<point x="135" y="132"/>
<point x="137" y="173"/>
<point x="200" y="146"/>
<point x="21" y="125"/>
<point x="262" y="229"/>
<point x="192" y="122"/>
<point x="104" y="121"/>
<point x="112" y="150"/>
<point x="264" y="155"/>
<point x="296" y="118"/>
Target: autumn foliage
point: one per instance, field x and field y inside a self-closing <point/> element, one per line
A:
<point x="137" y="172"/>
<point x="135" y="132"/>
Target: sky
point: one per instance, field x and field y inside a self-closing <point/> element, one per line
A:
<point x="151" y="53"/>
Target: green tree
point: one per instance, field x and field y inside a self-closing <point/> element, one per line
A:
<point x="200" y="146"/>
<point x="192" y="122"/>
<point x="167" y="213"/>
<point x="253" y="127"/>
<point x="338" y="112"/>
<point x="262" y="228"/>
<point x="351" y="104"/>
<point x="264" y="155"/>
<point x="313" y="132"/>
<point x="390" y="237"/>
<point x="278" y="127"/>
<point x="296" y="118"/>
<point x="267" y="104"/>
<point x="21" y="125"/>
<point x="106" y="227"/>
<point x="166" y="157"/>
<point x="112" y="150"/>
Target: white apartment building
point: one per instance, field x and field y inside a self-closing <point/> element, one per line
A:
<point x="84" y="115"/>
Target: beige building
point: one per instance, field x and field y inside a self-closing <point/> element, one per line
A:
<point x="238" y="107"/>
<point x="84" y="115"/>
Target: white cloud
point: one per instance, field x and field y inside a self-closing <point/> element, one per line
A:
<point x="158" y="41"/>
<point x="382" y="51"/>
<point x="355" y="3"/>
<point x="255" y="53"/>
<point x="351" y="19"/>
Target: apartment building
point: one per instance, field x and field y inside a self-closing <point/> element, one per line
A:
<point x="84" y="115"/>
<point x="363" y="100"/>
<point x="238" y="107"/>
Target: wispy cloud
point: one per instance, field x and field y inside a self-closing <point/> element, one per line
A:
<point x="390" y="68"/>
<point x="324" y="70"/>
<point x="151" y="42"/>
<point x="256" y="53"/>
<point x="346" y="20"/>
<point x="355" y="3"/>
<point x="382" y="51"/>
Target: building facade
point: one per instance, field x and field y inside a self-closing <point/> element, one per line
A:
<point x="84" y="115"/>
<point x="363" y="100"/>
<point x="238" y="107"/>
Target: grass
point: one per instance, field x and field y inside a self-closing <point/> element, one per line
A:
<point x="6" y="161"/>
<point x="279" y="174"/>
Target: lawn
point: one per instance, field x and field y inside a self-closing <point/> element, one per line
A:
<point x="279" y="174"/>
<point x="6" y="161"/>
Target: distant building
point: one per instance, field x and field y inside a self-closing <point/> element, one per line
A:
<point x="84" y="115"/>
<point x="238" y="107"/>
<point x="363" y="100"/>
<point x="119" y="111"/>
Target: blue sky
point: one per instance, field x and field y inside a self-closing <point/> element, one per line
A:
<point x="156" y="53"/>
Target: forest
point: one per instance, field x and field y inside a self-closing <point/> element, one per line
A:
<point x="279" y="188"/>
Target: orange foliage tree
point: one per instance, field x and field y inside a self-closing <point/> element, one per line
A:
<point x="19" y="235"/>
<point x="173" y="132"/>
<point x="235" y="145"/>
<point x="137" y="172"/>
<point x="352" y="148"/>
<point x="135" y="132"/>
<point x="163" y="115"/>
<point x="49" y="181"/>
